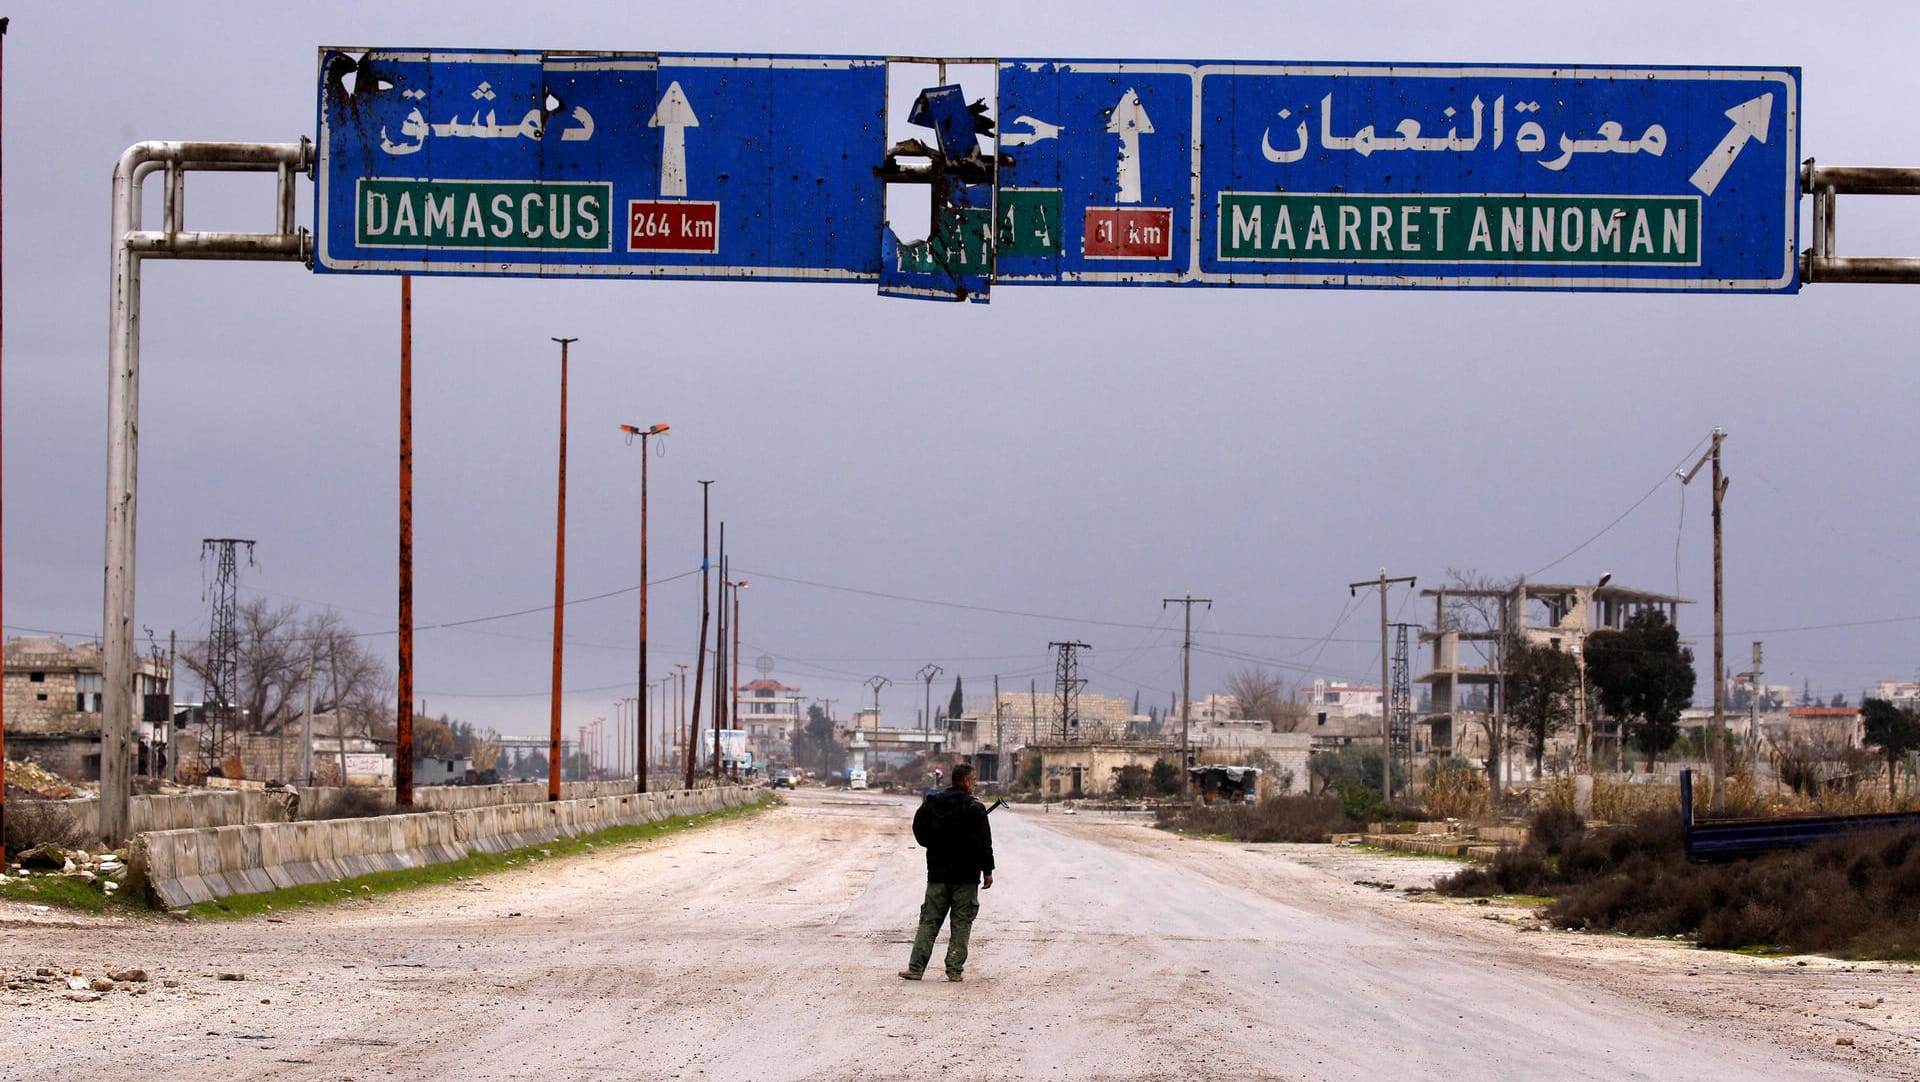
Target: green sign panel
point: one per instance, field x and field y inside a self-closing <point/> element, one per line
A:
<point x="1030" y="221"/>
<point x="490" y="214"/>
<point x="1633" y="230"/>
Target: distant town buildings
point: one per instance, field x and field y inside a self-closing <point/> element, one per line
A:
<point x="1898" y="692"/>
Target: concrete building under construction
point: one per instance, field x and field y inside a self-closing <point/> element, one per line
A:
<point x="1470" y="623"/>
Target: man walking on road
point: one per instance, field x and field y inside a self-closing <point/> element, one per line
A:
<point x="959" y="841"/>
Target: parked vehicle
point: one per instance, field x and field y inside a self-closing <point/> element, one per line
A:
<point x="856" y="779"/>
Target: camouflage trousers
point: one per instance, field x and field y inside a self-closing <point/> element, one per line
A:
<point x="962" y="900"/>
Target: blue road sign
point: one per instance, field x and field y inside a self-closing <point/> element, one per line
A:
<point x="1510" y="177"/>
<point x="672" y="166"/>
<point x="1100" y="188"/>
<point x="1109" y="172"/>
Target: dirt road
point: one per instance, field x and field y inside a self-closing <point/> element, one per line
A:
<point x="767" y="950"/>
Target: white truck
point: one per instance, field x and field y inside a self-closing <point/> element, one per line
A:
<point x="856" y="779"/>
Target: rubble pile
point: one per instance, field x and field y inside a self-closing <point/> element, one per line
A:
<point x="28" y="780"/>
<point x="105" y="870"/>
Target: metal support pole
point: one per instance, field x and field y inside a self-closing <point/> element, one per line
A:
<point x="559" y="582"/>
<point x="130" y="246"/>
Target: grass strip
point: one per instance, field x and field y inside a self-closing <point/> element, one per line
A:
<point x="59" y="892"/>
<point x="238" y="906"/>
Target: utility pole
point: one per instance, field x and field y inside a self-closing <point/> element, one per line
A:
<point x="1386" y="735"/>
<point x="999" y="739"/>
<point x="559" y="582"/>
<point x="700" y="651"/>
<point x="1719" y="625"/>
<point x="306" y="728"/>
<point x="403" y="724"/>
<point x="876" y="683"/>
<point x="1753" y="716"/>
<point x="827" y="709"/>
<point x="927" y="673"/>
<point x="1186" y="683"/>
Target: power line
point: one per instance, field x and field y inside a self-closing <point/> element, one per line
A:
<point x="993" y="611"/>
<point x="1621" y="517"/>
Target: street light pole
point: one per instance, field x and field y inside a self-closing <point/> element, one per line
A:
<point x="733" y="658"/>
<point x="700" y="651"/>
<point x="559" y="583"/>
<point x="640" y="721"/>
<point x="679" y="706"/>
<point x="927" y="673"/>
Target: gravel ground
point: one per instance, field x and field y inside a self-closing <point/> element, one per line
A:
<point x="767" y="948"/>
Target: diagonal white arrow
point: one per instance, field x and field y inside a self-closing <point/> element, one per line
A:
<point x="676" y="115"/>
<point x="1129" y="121"/>
<point x="1749" y="122"/>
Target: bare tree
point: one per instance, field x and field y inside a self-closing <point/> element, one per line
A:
<point x="1259" y="693"/>
<point x="277" y="642"/>
<point x="1481" y="607"/>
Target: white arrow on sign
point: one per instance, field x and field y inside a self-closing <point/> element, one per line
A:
<point x="1129" y="121"/>
<point x="1040" y="129"/>
<point x="675" y="114"/>
<point x="1749" y="122"/>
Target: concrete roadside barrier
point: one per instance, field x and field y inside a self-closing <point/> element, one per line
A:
<point x="178" y="868"/>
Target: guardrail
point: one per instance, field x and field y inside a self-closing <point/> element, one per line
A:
<point x="1725" y="839"/>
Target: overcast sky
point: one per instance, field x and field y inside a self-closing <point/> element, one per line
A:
<point x="908" y="482"/>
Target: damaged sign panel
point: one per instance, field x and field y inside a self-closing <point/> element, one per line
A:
<point x="673" y="166"/>
<point x="1096" y="172"/>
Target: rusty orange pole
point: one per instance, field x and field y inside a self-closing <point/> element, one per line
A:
<point x="3" y="713"/>
<point x="559" y="585"/>
<point x="403" y="736"/>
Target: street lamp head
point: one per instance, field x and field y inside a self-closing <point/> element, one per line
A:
<point x="1604" y="579"/>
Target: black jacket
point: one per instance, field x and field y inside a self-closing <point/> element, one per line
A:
<point x="953" y="826"/>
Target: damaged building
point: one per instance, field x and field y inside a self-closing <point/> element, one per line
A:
<point x="1464" y="674"/>
<point x="53" y="698"/>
